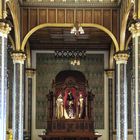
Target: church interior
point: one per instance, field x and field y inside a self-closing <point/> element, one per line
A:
<point x="69" y="70"/>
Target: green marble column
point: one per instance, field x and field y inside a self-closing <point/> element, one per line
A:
<point x="18" y="95"/>
<point x="109" y="73"/>
<point x="29" y="75"/>
<point x="4" y="30"/>
<point x="135" y="30"/>
<point x="121" y="95"/>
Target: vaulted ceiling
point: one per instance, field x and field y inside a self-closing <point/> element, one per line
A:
<point x="61" y="38"/>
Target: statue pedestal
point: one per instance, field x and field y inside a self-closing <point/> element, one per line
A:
<point x="70" y="136"/>
<point x="70" y="129"/>
<point x="70" y="125"/>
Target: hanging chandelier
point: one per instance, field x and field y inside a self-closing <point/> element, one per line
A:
<point x="77" y="29"/>
<point x="75" y="62"/>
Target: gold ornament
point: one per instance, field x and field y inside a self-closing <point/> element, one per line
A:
<point x="18" y="57"/>
<point x="121" y="57"/>
<point x="5" y="28"/>
<point x="4" y="14"/>
<point x="30" y="72"/>
<point x="109" y="73"/>
<point x="135" y="29"/>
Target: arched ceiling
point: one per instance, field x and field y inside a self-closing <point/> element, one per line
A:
<point x="61" y="38"/>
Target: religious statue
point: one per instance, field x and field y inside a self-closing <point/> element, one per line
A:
<point x="71" y="109"/>
<point x="59" y="106"/>
<point x="81" y="105"/>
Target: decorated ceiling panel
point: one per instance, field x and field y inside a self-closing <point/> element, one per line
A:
<point x="73" y="1"/>
<point x="87" y="3"/>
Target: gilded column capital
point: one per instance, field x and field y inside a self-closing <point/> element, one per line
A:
<point x="109" y="73"/>
<point x="18" y="57"/>
<point x="135" y="29"/>
<point x="30" y="72"/>
<point x="4" y="14"/>
<point x="121" y="57"/>
<point x="5" y="28"/>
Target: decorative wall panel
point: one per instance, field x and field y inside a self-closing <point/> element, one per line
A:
<point x="88" y="16"/>
<point x="47" y="67"/>
<point x="106" y="15"/>
<point x="42" y="13"/>
<point x="115" y="24"/>
<point x="32" y="16"/>
<point x="25" y="24"/>
<point x="69" y="15"/>
<point x="61" y="15"/>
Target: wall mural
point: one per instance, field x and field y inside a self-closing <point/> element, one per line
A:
<point x="47" y="67"/>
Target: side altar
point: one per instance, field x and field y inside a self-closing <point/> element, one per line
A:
<point x="70" y="109"/>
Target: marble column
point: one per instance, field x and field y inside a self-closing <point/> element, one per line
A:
<point x="29" y="83"/>
<point x="18" y="95"/>
<point x="135" y="30"/>
<point x="109" y="73"/>
<point x="4" y="30"/>
<point x="121" y="95"/>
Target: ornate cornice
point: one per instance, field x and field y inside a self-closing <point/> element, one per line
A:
<point x="109" y="73"/>
<point x="72" y="4"/>
<point x="18" y="57"/>
<point x="30" y="72"/>
<point x="135" y="29"/>
<point x="5" y="28"/>
<point x="121" y="57"/>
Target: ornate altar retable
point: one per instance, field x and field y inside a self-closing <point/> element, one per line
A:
<point x="70" y="109"/>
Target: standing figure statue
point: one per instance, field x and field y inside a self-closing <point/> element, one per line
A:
<point x="59" y="106"/>
<point x="71" y="109"/>
<point x="81" y="106"/>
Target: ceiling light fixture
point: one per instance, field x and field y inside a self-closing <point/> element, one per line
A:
<point x="77" y="29"/>
<point x="75" y="62"/>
